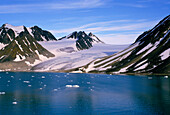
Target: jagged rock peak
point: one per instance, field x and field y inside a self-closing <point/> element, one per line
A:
<point x="9" y="32"/>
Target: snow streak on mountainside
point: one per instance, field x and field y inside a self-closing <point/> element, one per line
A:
<point x="68" y="58"/>
<point x="149" y="54"/>
<point x="83" y="41"/>
<point x="9" y="33"/>
<point x="19" y="46"/>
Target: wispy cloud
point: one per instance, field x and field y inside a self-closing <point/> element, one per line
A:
<point x="130" y="5"/>
<point x="67" y="4"/>
<point x="109" y="26"/>
<point x="116" y="30"/>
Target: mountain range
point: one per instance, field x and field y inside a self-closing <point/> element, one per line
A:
<point x="150" y="53"/>
<point x="20" y="44"/>
<point x="34" y="49"/>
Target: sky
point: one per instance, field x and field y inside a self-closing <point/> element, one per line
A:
<point x="113" y="21"/>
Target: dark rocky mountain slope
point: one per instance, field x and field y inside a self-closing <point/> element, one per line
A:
<point x="9" y="32"/>
<point x="83" y="40"/>
<point x="19" y="45"/>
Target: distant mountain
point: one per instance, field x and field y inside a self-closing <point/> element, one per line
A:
<point x="83" y="40"/>
<point x="9" y="32"/>
<point x="149" y="54"/>
<point x="20" y="45"/>
<point x="41" y="35"/>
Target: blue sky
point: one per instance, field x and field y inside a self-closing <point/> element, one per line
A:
<point x="113" y="21"/>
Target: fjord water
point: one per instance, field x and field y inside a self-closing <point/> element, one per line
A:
<point x="52" y="93"/>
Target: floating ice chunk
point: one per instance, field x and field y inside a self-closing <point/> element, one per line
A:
<point x="2" y="93"/>
<point x="26" y="81"/>
<point x="33" y="76"/>
<point x="40" y="88"/>
<point x="149" y="77"/>
<point x="76" y="86"/>
<point x="43" y="77"/>
<point x="29" y="85"/>
<point x="14" y="103"/>
<point x="69" y="86"/>
<point x="55" y="89"/>
<point x="9" y="81"/>
<point x="88" y="82"/>
<point x="166" y="77"/>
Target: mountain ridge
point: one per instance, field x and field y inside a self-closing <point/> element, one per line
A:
<point x="83" y="40"/>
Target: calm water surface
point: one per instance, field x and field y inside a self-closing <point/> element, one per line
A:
<point x="24" y="93"/>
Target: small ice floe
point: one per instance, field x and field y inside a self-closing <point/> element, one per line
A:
<point x="14" y="103"/>
<point x="2" y="93"/>
<point x="149" y="77"/>
<point x="55" y="89"/>
<point x="43" y="77"/>
<point x="75" y="86"/>
<point x="91" y="90"/>
<point x="70" y="80"/>
<point x="9" y="81"/>
<point x="26" y="81"/>
<point x="68" y="73"/>
<point x="32" y="76"/>
<point x="45" y="85"/>
<point x="88" y="82"/>
<point x="12" y="76"/>
<point x="166" y="77"/>
<point x="40" y="88"/>
<point x="29" y="85"/>
<point x="69" y="86"/>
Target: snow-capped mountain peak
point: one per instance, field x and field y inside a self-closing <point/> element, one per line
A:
<point x="9" y="32"/>
<point x="83" y="40"/>
<point x="17" y="29"/>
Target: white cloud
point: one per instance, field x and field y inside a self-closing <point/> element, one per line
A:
<point x="109" y="26"/>
<point x="130" y="5"/>
<point x="67" y="4"/>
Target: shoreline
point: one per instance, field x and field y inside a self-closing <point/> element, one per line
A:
<point x="67" y="71"/>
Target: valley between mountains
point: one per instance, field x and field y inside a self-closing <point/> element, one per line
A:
<point x="34" y="49"/>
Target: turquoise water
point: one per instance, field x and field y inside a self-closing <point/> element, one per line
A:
<point x="83" y="94"/>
